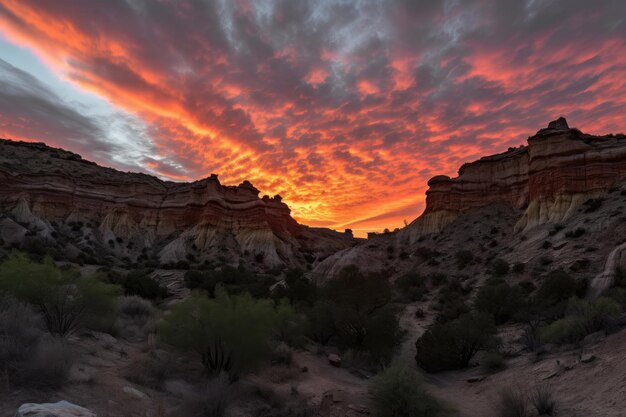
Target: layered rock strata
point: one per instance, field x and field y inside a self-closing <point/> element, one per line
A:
<point x="547" y="180"/>
<point x="47" y="190"/>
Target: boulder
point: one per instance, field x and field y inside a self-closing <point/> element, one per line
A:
<point x="135" y="393"/>
<point x="588" y="357"/>
<point x="58" y="409"/>
<point x="334" y="360"/>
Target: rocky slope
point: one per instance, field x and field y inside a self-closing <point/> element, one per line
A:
<point x="53" y="200"/>
<point x="523" y="205"/>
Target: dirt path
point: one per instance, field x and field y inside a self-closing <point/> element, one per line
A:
<point x="322" y="377"/>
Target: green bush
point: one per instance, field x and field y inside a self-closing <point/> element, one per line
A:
<point x="502" y="301"/>
<point x="321" y="322"/>
<point x="493" y="362"/>
<point x="452" y="345"/>
<point x="201" y="280"/>
<point x="361" y="292"/>
<point x="451" y="301"/>
<point x="376" y="335"/>
<point x="229" y="333"/>
<point x="136" y="282"/>
<point x="398" y="392"/>
<point x="411" y="286"/>
<point x="582" y="318"/>
<point x="363" y="320"/>
<point x="556" y="288"/>
<point x="65" y="300"/>
<point x="297" y="288"/>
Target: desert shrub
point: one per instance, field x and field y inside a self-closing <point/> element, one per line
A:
<point x="500" y="267"/>
<point x="452" y="345"/>
<point x="49" y="367"/>
<point x="451" y="301"/>
<point x="297" y="289"/>
<point x="136" y="318"/>
<point x="502" y="301"/>
<point x="65" y="300"/>
<point x="20" y="331"/>
<point x="321" y="322"/>
<point x="493" y="362"/>
<point x="212" y="400"/>
<point x="556" y="287"/>
<point x="363" y="320"/>
<point x="229" y="333"/>
<point x="288" y="324"/>
<point x="201" y="280"/>
<point x="282" y="355"/>
<point x="361" y="292"/>
<point x="411" y="286"/>
<point x="582" y="318"/>
<point x="376" y="334"/>
<point x="135" y="307"/>
<point x="398" y="392"/>
<point x="464" y="258"/>
<point x="543" y="401"/>
<point x="578" y="232"/>
<point x="511" y="403"/>
<point x="593" y="204"/>
<point x="556" y="229"/>
<point x="240" y="281"/>
<point x="138" y="282"/>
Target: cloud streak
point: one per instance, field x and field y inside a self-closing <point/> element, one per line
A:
<point x="346" y="108"/>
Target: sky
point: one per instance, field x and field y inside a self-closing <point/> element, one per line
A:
<point x="344" y="108"/>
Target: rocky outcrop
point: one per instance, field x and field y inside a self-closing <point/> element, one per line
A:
<point x="79" y="206"/>
<point x="615" y="263"/>
<point x="547" y="180"/>
<point x="58" y="409"/>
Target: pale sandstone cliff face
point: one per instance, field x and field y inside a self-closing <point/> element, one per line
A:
<point x="128" y="214"/>
<point x="549" y="179"/>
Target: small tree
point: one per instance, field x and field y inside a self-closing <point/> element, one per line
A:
<point x="452" y="345"/>
<point x="501" y="300"/>
<point x="398" y="392"/>
<point x="65" y="300"/>
<point x="230" y="333"/>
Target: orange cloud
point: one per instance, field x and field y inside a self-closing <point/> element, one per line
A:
<point x="344" y="110"/>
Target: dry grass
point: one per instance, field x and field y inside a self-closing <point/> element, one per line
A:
<point x="49" y="367"/>
<point x="211" y="401"/>
<point x="512" y="403"/>
<point x="543" y="401"/>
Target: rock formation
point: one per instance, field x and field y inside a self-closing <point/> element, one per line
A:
<point x="81" y="208"/>
<point x="548" y="179"/>
<point x="558" y="202"/>
<point x="58" y="409"/>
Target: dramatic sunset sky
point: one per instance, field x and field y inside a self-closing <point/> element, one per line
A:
<point x="345" y="108"/>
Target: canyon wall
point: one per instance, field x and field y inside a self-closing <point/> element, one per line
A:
<point x="128" y="214"/>
<point x="560" y="169"/>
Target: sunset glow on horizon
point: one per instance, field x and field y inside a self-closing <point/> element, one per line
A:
<point x="345" y="108"/>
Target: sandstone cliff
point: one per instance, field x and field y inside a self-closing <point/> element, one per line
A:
<point x="559" y="202"/>
<point x="57" y="199"/>
<point x="548" y="179"/>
